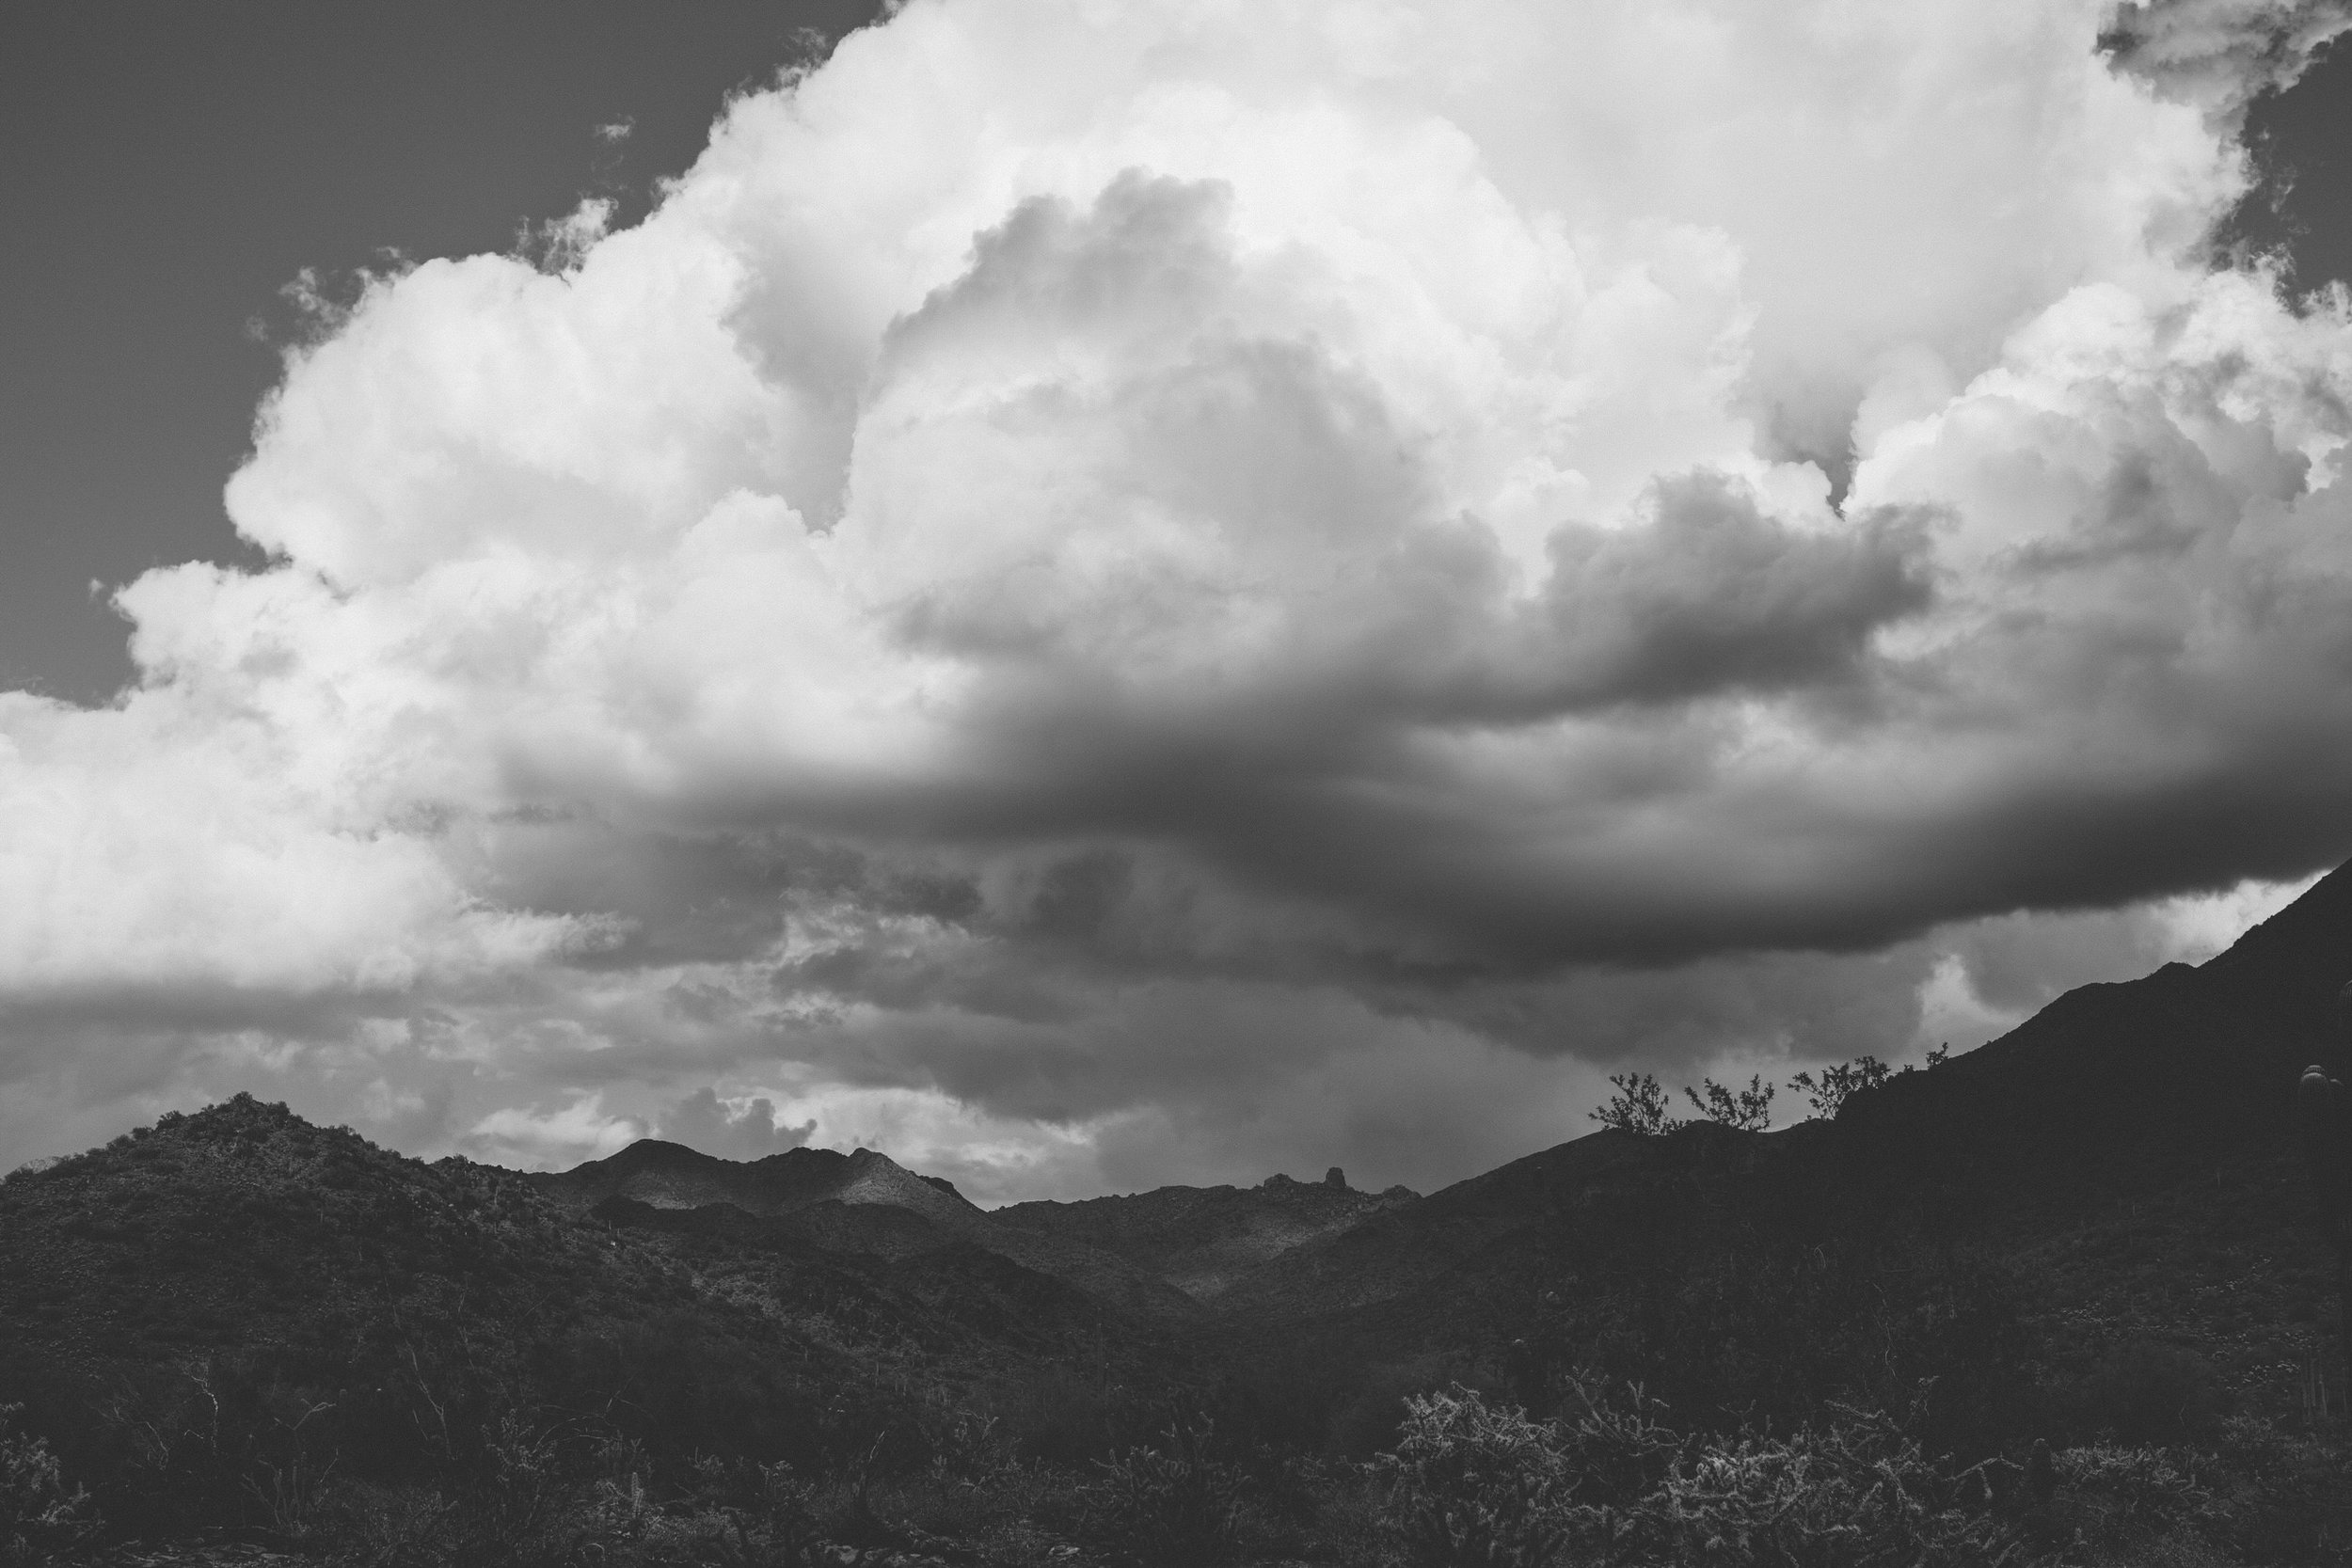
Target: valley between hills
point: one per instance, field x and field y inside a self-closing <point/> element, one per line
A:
<point x="2068" y="1294"/>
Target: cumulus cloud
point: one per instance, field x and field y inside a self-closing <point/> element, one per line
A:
<point x="558" y="1137"/>
<point x="1105" y="595"/>
<point x="2222" y="53"/>
<point x="747" y="1131"/>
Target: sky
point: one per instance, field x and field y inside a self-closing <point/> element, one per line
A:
<point x="1095" y="596"/>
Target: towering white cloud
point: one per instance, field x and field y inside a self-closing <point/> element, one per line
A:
<point x="1101" y="566"/>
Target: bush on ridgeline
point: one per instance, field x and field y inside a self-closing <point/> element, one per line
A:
<point x="1841" y="1082"/>
<point x="1748" y="1110"/>
<point x="1639" y="1106"/>
<point x="1642" y="1106"/>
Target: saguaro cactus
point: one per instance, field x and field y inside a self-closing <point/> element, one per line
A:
<point x="2322" y="1117"/>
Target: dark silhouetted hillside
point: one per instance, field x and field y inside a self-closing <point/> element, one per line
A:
<point x="1206" y="1240"/>
<point x="2115" y="1180"/>
<point x="861" y="1202"/>
<point x="671" y="1176"/>
<point x="2093" y="1230"/>
<point x="173" y="1304"/>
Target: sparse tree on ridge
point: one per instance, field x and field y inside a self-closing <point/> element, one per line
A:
<point x="1638" y="1106"/>
<point x="1749" y="1110"/>
<point x="1838" y="1084"/>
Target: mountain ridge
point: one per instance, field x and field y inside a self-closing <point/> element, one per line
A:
<point x="1205" y="1240"/>
<point x="2111" y="1187"/>
<point x="856" y="1202"/>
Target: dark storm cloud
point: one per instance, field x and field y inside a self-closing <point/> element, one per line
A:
<point x="1715" y="598"/>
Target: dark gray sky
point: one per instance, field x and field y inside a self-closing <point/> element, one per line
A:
<point x="167" y="169"/>
<point x="2303" y="140"/>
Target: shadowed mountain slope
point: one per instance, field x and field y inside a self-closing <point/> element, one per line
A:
<point x="244" y="1236"/>
<point x="2116" y="1178"/>
<point x="245" y="1227"/>
<point x="672" y="1176"/>
<point x="1428" y="1242"/>
<point x="2121" y="1089"/>
<point x="1205" y="1240"/>
<point x="861" y="1202"/>
<point x="2112" y="1187"/>
<point x="238" y="1296"/>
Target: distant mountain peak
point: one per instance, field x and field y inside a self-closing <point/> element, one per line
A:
<point x="653" y="1153"/>
<point x="664" y="1175"/>
<point x="878" y="1179"/>
<point x="1203" y="1240"/>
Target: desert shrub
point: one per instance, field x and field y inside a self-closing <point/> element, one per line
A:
<point x="2144" y="1506"/>
<point x="1748" y="1110"/>
<point x="1347" y="1521"/>
<point x="1474" y="1484"/>
<point x="1842" y="1081"/>
<point x="1170" y="1503"/>
<point x="1853" y="1493"/>
<point x="390" y="1525"/>
<point x="1639" y="1106"/>
<point x="524" y="1483"/>
<point x="252" y="1438"/>
<point x="733" y="1513"/>
<point x="736" y="1513"/>
<point x="37" y="1515"/>
<point x="2280" y="1494"/>
<point x="2159" y="1483"/>
<point x="2147" y="1393"/>
<point x="1063" y="1416"/>
<point x="1618" y="1446"/>
<point x="974" y="1479"/>
<point x="1369" y="1418"/>
<point x="1763" y="1329"/>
